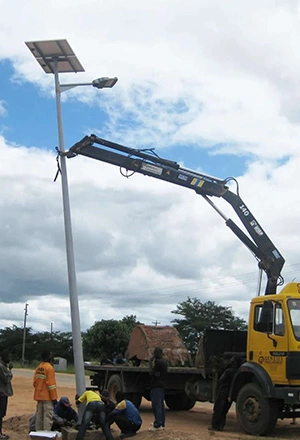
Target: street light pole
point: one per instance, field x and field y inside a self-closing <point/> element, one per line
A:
<point x="56" y="56"/>
<point x="74" y="307"/>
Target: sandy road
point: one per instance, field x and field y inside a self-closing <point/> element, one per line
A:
<point x="63" y="379"/>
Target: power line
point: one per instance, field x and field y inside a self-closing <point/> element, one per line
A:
<point x="243" y="278"/>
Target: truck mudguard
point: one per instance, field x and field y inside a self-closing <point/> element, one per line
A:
<point x="251" y="372"/>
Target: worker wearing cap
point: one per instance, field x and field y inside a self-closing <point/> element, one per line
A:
<point x="64" y="414"/>
<point x="95" y="408"/>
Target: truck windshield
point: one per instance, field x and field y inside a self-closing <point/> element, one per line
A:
<point x="294" y="309"/>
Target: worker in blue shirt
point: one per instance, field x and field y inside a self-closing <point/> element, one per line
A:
<point x="126" y="416"/>
<point x="64" y="414"/>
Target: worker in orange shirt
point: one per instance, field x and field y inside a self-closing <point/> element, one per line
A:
<point x="45" y="392"/>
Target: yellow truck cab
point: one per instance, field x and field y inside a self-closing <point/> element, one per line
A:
<point x="274" y="334"/>
<point x="267" y="387"/>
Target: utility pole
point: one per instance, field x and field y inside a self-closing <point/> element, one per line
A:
<point x="24" y="335"/>
<point x="155" y="322"/>
<point x="51" y="335"/>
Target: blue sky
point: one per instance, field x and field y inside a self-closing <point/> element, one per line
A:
<point x="214" y="88"/>
<point x="25" y="124"/>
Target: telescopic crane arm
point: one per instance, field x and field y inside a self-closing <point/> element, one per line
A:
<point x="148" y="163"/>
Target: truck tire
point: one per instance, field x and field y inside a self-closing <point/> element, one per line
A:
<point x="256" y="414"/>
<point x="114" y="384"/>
<point x="190" y="403"/>
<point x="179" y="402"/>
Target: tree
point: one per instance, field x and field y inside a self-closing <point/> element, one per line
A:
<point x="105" y="339"/>
<point x="130" y="321"/>
<point x="11" y="339"/>
<point x="62" y="345"/>
<point x="59" y="343"/>
<point x="199" y="316"/>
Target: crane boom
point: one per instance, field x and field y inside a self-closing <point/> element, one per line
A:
<point x="147" y="162"/>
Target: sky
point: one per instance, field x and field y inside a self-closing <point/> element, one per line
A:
<point x="213" y="85"/>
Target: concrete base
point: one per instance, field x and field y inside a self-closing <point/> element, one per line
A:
<point x="71" y="433"/>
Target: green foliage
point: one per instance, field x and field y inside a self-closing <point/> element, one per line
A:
<point x="130" y="321"/>
<point x="11" y="338"/>
<point x="105" y="339"/>
<point x="59" y="343"/>
<point x="198" y="316"/>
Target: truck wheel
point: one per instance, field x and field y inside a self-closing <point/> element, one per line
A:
<point x="190" y="403"/>
<point x="179" y="402"/>
<point x="114" y="384"/>
<point x="256" y="414"/>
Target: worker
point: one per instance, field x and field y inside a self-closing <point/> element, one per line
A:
<point x="45" y="392"/>
<point x="125" y="415"/>
<point x="119" y="359"/>
<point x="64" y="414"/>
<point x="5" y="386"/>
<point x="222" y="402"/>
<point x="109" y="404"/>
<point x="158" y="371"/>
<point x="95" y="409"/>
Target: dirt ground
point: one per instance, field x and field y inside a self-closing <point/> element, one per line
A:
<point x="190" y="425"/>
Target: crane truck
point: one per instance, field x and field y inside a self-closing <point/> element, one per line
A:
<point x="267" y="385"/>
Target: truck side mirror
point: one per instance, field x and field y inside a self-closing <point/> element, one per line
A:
<point x="267" y="313"/>
<point x="267" y="318"/>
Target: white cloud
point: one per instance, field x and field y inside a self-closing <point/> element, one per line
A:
<point x="141" y="245"/>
